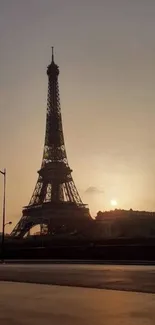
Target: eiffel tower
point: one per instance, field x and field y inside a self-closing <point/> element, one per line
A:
<point x="55" y="204"/>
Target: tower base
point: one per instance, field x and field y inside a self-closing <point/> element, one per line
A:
<point x="54" y="218"/>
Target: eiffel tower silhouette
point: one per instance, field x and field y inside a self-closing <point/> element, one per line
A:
<point x="55" y="204"/>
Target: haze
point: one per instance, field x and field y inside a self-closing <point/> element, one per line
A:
<point x="106" y="54"/>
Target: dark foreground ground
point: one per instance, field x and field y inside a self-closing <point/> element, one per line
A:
<point x="57" y="248"/>
<point x="27" y="304"/>
<point x="118" y="277"/>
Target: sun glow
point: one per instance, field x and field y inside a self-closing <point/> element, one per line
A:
<point x="113" y="203"/>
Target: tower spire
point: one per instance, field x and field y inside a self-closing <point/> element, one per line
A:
<point x="52" y="54"/>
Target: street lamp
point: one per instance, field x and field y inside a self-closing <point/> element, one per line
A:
<point x="8" y="223"/>
<point x="3" y="237"/>
<point x="3" y="223"/>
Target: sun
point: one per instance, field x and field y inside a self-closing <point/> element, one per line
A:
<point x="113" y="203"/>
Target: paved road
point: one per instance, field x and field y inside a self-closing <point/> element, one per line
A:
<point x="27" y="304"/>
<point x="129" y="278"/>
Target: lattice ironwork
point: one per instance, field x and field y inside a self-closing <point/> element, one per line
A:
<point x="55" y="183"/>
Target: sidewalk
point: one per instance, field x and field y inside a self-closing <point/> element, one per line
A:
<point x="34" y="304"/>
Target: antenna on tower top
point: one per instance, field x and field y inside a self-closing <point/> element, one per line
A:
<point x="52" y="53"/>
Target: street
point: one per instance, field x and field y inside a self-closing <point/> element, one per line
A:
<point x="77" y="294"/>
<point x="118" y="277"/>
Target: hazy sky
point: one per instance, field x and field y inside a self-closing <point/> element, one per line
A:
<point x="106" y="53"/>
